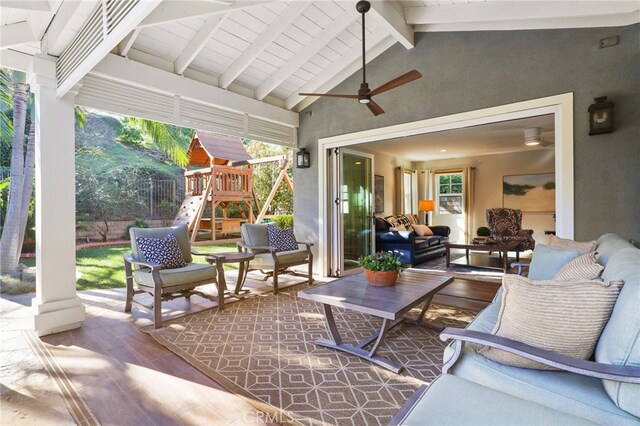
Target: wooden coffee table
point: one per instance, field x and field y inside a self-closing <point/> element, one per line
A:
<point x="502" y="248"/>
<point x="389" y="303"/>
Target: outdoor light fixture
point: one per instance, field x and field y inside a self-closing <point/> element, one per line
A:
<point x="600" y="116"/>
<point x="426" y="206"/>
<point x="532" y="136"/>
<point x="303" y="160"/>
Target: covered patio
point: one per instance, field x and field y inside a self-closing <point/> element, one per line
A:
<point x="229" y="67"/>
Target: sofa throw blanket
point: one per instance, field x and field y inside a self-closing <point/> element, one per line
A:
<point x="282" y="239"/>
<point x="164" y="251"/>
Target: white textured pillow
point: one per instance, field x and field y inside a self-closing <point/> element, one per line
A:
<point x="422" y="230"/>
<point x="581" y="247"/>
<point x="582" y="267"/>
<point x="565" y="317"/>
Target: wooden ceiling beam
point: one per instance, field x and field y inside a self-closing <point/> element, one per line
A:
<point x="199" y="41"/>
<point x="284" y="19"/>
<point x="349" y="63"/>
<point x="507" y="11"/>
<point x="172" y="11"/>
<point x="391" y="17"/>
<point x="307" y="52"/>
<point x="125" y="45"/>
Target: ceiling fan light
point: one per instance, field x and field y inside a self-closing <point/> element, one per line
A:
<point x="532" y="136"/>
<point x="364" y="100"/>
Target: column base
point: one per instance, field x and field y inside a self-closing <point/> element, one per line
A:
<point x="57" y="316"/>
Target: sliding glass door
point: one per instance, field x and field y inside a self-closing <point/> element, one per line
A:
<point x="352" y="219"/>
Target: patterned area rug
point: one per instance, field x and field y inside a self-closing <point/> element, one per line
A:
<point x="262" y="349"/>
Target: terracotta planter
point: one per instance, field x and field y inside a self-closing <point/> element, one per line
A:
<point x="381" y="278"/>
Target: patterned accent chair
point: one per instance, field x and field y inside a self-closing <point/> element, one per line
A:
<point x="506" y="225"/>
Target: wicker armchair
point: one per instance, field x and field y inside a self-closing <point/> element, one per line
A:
<point x="506" y="225"/>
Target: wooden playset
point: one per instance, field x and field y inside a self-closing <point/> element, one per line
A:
<point x="219" y="174"/>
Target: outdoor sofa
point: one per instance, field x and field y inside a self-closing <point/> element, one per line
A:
<point x="476" y="390"/>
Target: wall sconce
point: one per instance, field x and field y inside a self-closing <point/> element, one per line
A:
<point x="600" y="116"/>
<point x="303" y="159"/>
<point x="426" y="206"/>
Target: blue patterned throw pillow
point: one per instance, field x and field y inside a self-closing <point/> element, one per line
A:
<point x="282" y="239"/>
<point x="164" y="251"/>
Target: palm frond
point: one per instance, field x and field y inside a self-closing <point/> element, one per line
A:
<point x="81" y="117"/>
<point x="165" y="138"/>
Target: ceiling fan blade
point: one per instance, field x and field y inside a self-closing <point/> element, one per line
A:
<point x="330" y="95"/>
<point x="396" y="82"/>
<point x="375" y="108"/>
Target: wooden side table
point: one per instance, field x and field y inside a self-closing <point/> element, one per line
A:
<point x="242" y="259"/>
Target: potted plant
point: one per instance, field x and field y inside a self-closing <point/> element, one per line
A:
<point x="483" y="234"/>
<point x="381" y="269"/>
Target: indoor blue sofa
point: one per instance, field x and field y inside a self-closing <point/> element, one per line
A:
<point x="411" y="248"/>
<point x="488" y="392"/>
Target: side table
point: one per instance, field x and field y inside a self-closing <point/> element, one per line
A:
<point x="242" y="259"/>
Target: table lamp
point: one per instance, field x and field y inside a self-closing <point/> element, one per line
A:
<point x="426" y="206"/>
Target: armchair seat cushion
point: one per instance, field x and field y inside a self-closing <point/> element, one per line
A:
<point x="265" y="260"/>
<point x="192" y="273"/>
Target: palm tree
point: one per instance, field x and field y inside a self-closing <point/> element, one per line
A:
<point x="10" y="242"/>
<point x="15" y="95"/>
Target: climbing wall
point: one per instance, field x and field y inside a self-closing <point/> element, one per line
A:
<point x="190" y="210"/>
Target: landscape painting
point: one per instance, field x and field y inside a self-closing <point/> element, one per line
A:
<point x="530" y="193"/>
<point x="379" y="194"/>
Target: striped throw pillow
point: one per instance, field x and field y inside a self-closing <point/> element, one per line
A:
<point x="565" y="243"/>
<point x="582" y="267"/>
<point x="566" y="317"/>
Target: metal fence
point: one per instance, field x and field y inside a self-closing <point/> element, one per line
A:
<point x="162" y="197"/>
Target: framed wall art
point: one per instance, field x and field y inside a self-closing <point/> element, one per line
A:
<point x="530" y="193"/>
<point x="379" y="194"/>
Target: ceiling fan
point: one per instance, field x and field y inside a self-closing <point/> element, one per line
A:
<point x="365" y="94"/>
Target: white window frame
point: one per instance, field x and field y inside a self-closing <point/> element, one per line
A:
<point x="438" y="194"/>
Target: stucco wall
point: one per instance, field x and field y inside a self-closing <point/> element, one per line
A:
<point x="472" y="70"/>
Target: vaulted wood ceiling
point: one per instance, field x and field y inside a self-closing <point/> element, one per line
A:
<point x="269" y="51"/>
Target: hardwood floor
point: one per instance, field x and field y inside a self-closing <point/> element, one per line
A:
<point x="126" y="378"/>
<point x="467" y="294"/>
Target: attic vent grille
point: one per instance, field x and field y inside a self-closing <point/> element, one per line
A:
<point x="107" y="15"/>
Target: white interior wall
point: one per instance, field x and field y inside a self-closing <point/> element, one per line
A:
<point x="488" y="183"/>
<point x="383" y="166"/>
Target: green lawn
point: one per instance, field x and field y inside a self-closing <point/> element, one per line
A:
<point x="102" y="267"/>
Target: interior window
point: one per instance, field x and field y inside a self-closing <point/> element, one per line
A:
<point x="450" y="193"/>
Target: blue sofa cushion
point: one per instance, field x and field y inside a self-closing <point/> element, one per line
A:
<point x="547" y="261"/>
<point x="570" y="393"/>
<point x="608" y="244"/>
<point x="450" y="400"/>
<point x="619" y="343"/>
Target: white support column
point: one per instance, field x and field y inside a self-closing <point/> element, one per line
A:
<point x="56" y="306"/>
